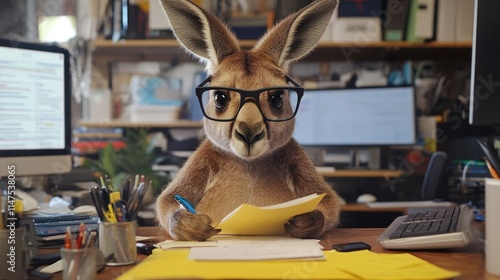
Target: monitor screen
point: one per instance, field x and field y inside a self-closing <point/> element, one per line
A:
<point x="485" y="66"/>
<point x="35" y="133"/>
<point x="357" y="117"/>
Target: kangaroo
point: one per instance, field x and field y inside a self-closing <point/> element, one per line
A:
<point x="248" y="154"/>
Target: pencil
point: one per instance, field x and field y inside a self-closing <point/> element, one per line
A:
<point x="492" y="170"/>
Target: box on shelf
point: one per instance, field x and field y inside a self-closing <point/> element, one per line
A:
<point x="156" y="113"/>
<point x="357" y="30"/>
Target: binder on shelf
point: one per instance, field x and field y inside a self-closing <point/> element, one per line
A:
<point x="412" y="20"/>
<point x="396" y="20"/>
<point x="421" y="21"/>
<point x="425" y="20"/>
<point x="446" y="18"/>
<point x="464" y="21"/>
<point x="365" y="8"/>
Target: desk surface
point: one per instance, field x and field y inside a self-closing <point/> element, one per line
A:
<point x="469" y="261"/>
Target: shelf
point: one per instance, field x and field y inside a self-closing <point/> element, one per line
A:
<point x="361" y="207"/>
<point x="128" y="124"/>
<point x="353" y="173"/>
<point x="162" y="43"/>
<point x="165" y="49"/>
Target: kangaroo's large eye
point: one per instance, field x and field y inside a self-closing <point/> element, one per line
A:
<point x="221" y="99"/>
<point x="276" y="98"/>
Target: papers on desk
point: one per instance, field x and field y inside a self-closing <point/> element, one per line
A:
<point x="258" y="248"/>
<point x="268" y="220"/>
<point x="171" y="244"/>
<point x="410" y="204"/>
<point x="236" y="247"/>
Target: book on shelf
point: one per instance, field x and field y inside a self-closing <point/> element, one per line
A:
<point x="425" y="20"/>
<point x="421" y="19"/>
<point x="464" y="20"/>
<point x="446" y="18"/>
<point x="89" y="147"/>
<point x="266" y="220"/>
<point x="396" y="19"/>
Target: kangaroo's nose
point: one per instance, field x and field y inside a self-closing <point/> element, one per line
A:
<point x="249" y="134"/>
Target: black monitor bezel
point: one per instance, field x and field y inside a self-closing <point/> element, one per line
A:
<point x="326" y="146"/>
<point x="67" y="99"/>
<point x="481" y="107"/>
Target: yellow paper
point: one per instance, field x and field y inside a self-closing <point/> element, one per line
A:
<point x="174" y="264"/>
<point x="269" y="220"/>
<point x="389" y="266"/>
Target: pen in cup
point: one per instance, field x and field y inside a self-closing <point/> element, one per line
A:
<point x="121" y="205"/>
<point x="493" y="172"/>
<point x="184" y="203"/>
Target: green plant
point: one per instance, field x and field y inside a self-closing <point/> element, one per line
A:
<point x="135" y="158"/>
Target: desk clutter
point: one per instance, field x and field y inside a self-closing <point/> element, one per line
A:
<point x="227" y="256"/>
<point x="252" y="255"/>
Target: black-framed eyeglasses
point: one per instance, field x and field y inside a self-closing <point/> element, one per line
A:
<point x="277" y="104"/>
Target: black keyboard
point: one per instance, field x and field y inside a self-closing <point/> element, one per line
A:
<point x="435" y="228"/>
<point x="428" y="223"/>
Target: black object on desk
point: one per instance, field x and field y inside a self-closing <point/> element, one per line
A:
<point x="490" y="153"/>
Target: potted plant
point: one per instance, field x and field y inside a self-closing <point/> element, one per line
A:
<point x="136" y="158"/>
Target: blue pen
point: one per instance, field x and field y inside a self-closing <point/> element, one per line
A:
<point x="184" y="203"/>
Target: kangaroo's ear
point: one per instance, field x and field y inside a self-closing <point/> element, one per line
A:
<point x="199" y="32"/>
<point x="298" y="34"/>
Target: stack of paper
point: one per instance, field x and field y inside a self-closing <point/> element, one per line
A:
<point x="259" y="248"/>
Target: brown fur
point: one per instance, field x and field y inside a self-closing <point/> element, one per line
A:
<point x="226" y="171"/>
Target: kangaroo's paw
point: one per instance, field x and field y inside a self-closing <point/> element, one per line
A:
<point x="307" y="225"/>
<point x="186" y="226"/>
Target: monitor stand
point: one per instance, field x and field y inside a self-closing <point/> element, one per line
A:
<point x="354" y="158"/>
<point x="366" y="158"/>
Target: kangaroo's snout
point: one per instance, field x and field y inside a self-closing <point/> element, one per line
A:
<point x="249" y="134"/>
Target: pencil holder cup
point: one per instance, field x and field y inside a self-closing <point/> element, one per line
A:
<point x="78" y="263"/>
<point x="492" y="243"/>
<point x="117" y="243"/>
<point x="13" y="255"/>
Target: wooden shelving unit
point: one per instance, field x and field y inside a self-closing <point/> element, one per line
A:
<point x="353" y="173"/>
<point x="152" y="43"/>
<point x="107" y="52"/>
<point x="361" y="207"/>
<point x="166" y="49"/>
<point x="129" y="124"/>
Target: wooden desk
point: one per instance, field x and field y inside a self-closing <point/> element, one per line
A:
<point x="469" y="261"/>
<point x="358" y="173"/>
<point x="362" y="207"/>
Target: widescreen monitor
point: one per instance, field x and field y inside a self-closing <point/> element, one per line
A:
<point x="35" y="126"/>
<point x="485" y="64"/>
<point x="357" y="117"/>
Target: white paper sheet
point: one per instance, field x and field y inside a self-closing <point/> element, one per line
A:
<point x="259" y="248"/>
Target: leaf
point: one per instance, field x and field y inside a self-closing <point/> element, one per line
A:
<point x="108" y="159"/>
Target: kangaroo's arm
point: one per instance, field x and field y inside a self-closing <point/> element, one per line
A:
<point x="190" y="183"/>
<point x="307" y="180"/>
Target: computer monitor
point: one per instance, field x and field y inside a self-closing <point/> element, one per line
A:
<point x="356" y="117"/>
<point x="35" y="126"/>
<point x="485" y="66"/>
